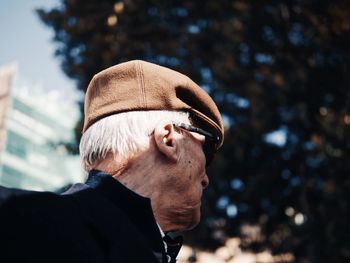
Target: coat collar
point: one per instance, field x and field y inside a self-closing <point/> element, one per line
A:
<point x="137" y="208"/>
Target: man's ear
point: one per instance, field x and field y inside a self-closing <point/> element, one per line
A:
<point x="165" y="140"/>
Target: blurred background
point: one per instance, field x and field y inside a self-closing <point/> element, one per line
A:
<point x="278" y="70"/>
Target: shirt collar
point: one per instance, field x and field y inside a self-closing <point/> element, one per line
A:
<point x="163" y="235"/>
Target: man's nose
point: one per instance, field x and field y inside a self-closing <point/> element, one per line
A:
<point x="205" y="181"/>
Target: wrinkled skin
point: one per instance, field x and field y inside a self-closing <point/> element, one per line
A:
<point x="171" y="172"/>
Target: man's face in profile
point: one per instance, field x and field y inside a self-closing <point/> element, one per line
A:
<point x="183" y="188"/>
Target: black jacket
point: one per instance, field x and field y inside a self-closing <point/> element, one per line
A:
<point x="100" y="221"/>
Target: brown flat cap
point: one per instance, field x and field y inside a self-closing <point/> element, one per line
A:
<point x="138" y="85"/>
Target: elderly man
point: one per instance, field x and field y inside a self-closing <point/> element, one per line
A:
<point x="149" y="133"/>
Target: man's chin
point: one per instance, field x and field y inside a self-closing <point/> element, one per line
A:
<point x="195" y="219"/>
<point x="187" y="220"/>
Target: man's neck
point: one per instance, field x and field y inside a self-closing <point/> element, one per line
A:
<point x="142" y="176"/>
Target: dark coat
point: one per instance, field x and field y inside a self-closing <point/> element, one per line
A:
<point x="100" y="221"/>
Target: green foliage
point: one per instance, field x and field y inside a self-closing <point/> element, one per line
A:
<point x="271" y="66"/>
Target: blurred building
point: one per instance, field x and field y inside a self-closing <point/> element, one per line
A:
<point x="35" y="126"/>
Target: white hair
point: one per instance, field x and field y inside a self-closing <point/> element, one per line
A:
<point x="123" y="134"/>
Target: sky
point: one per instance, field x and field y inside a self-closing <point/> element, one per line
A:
<point x="26" y="41"/>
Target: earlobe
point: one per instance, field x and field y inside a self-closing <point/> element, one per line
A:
<point x="165" y="141"/>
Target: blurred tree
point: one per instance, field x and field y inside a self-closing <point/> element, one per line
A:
<point x="279" y="71"/>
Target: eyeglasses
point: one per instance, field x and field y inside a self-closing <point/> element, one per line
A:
<point x="211" y="141"/>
